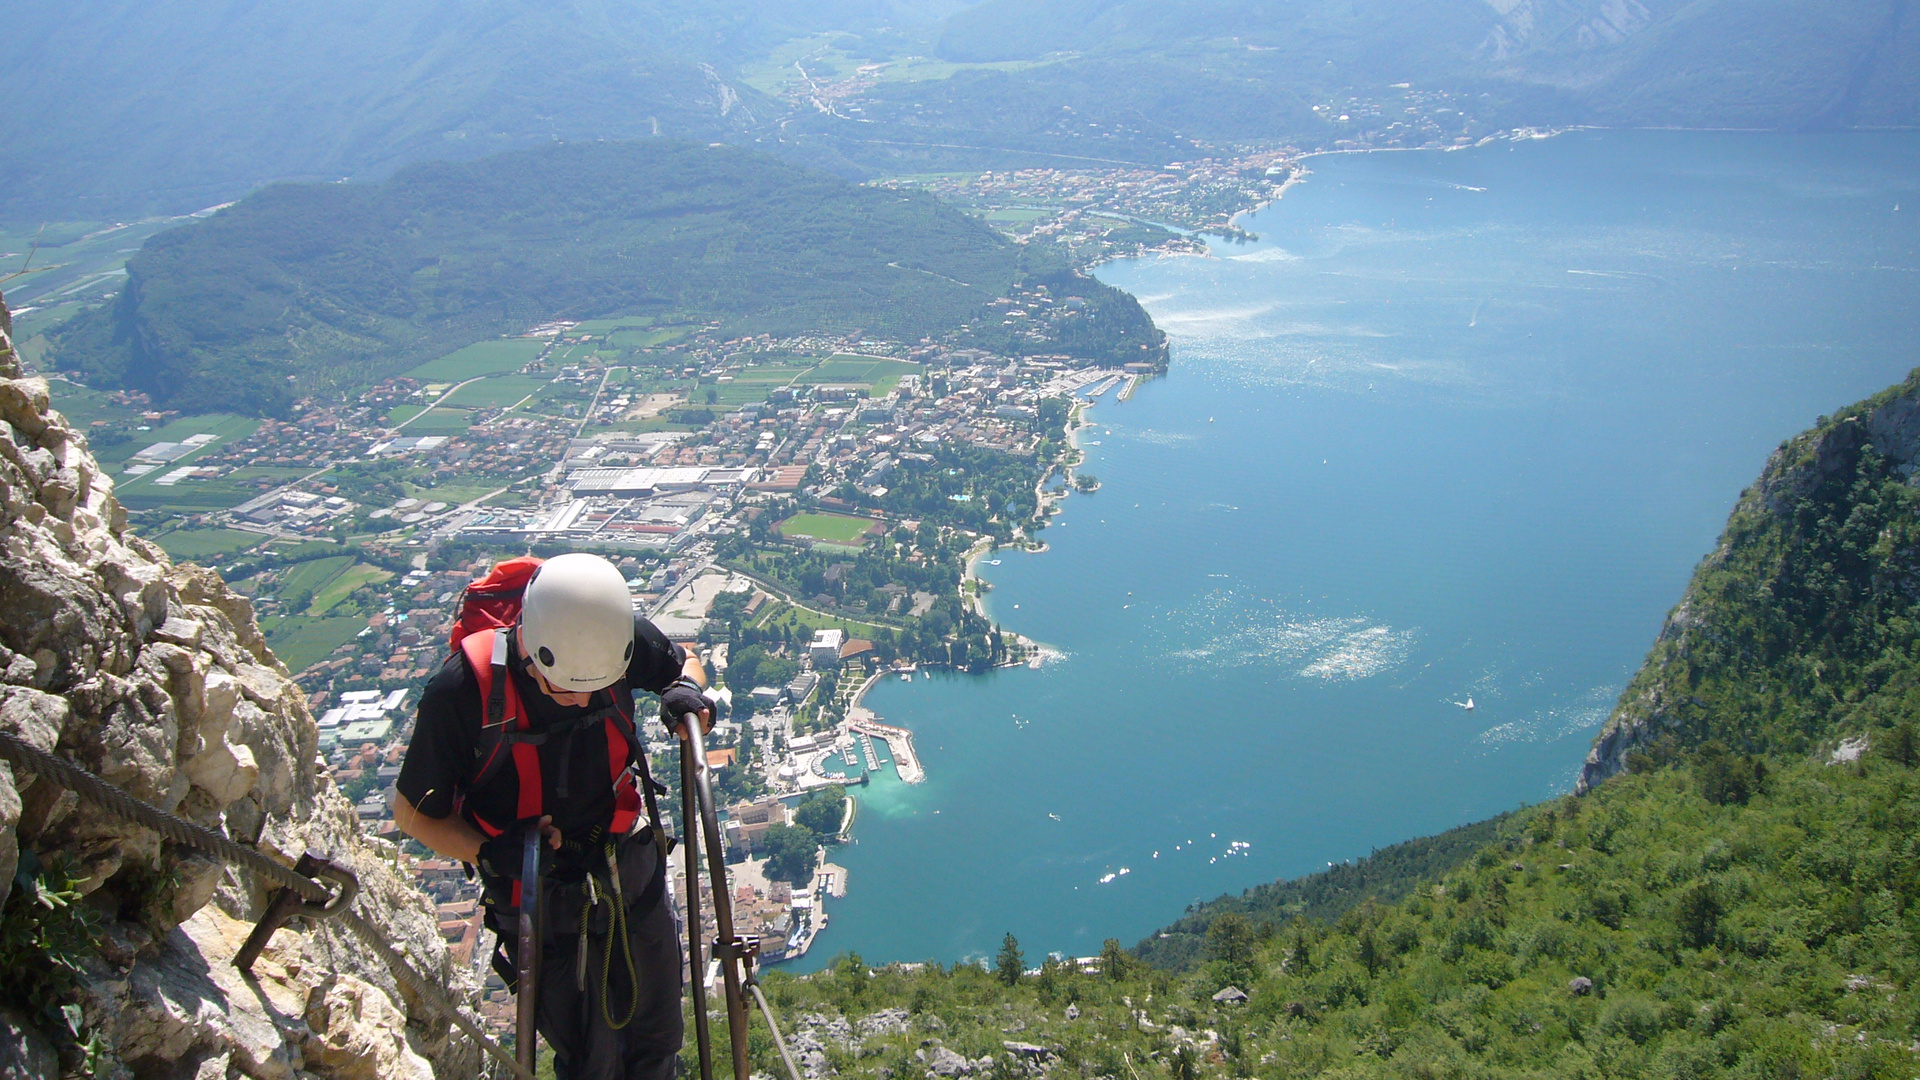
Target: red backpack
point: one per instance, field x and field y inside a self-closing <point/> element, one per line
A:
<point x="489" y="610"/>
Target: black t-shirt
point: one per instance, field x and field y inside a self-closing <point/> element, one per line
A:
<point x="444" y="755"/>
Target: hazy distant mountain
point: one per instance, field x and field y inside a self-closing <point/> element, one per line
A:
<point x="116" y="108"/>
<point x="1786" y="63"/>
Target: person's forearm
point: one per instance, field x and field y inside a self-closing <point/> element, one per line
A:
<point x="450" y="836"/>
<point x="694" y="670"/>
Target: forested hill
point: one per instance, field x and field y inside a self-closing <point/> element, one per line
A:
<point x="1803" y="625"/>
<point x="344" y="283"/>
<point x="1741" y="901"/>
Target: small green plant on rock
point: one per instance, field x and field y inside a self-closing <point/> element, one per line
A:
<point x="46" y="934"/>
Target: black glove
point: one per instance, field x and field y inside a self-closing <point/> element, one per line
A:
<point x="505" y="855"/>
<point x="683" y="697"/>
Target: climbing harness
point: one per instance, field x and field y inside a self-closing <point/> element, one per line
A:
<point x="313" y="898"/>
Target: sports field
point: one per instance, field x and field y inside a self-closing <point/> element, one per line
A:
<point x="880" y="376"/>
<point x="832" y="528"/>
<point x="480" y="358"/>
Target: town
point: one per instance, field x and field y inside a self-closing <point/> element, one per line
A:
<point x="803" y="512"/>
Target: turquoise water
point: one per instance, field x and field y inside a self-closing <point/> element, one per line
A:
<point x="1458" y="425"/>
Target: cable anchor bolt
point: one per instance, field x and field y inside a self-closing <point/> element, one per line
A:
<point x="287" y="904"/>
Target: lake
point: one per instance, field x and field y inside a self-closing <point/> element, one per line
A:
<point x="1456" y="428"/>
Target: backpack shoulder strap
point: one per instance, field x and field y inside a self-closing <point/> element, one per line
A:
<point x="488" y="656"/>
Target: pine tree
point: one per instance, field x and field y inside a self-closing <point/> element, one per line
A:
<point x="1011" y="964"/>
<point x="1902" y="746"/>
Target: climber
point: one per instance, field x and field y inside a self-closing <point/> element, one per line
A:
<point x="522" y="729"/>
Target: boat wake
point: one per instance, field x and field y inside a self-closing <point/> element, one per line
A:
<point x="1238" y="629"/>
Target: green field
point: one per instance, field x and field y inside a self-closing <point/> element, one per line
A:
<point x="481" y="358"/>
<point x="301" y="642"/>
<point x="82" y="406"/>
<point x="307" y="578"/>
<point x="197" y="545"/>
<point x="342" y="586"/>
<point x="781" y="612"/>
<point x="229" y="427"/>
<point x="879" y="376"/>
<point x="599" y="327"/>
<point x="186" y="497"/>
<point x="453" y="493"/>
<point x="403" y="413"/>
<point x="646" y="339"/>
<point x="1017" y="217"/>
<point x="441" y="422"/>
<point x="499" y="391"/>
<point x="832" y="528"/>
<point x="751" y="385"/>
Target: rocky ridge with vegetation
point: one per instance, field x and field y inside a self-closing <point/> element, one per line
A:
<point x="115" y="956"/>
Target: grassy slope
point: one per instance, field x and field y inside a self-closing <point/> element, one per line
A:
<point x="1716" y="911"/>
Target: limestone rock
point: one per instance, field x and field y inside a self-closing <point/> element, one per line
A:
<point x="945" y="1063"/>
<point x="156" y="678"/>
<point x="25" y="1054"/>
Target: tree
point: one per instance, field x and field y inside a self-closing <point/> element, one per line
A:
<point x="1011" y="964"/>
<point x="1232" y="940"/>
<point x="1368" y="953"/>
<point x="1726" y="778"/>
<point x="1114" y="960"/>
<point x="1698" y="915"/>
<point x="790" y="853"/>
<point x="823" y="811"/>
<point x="1902" y="746"/>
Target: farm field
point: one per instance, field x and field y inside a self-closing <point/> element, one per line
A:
<point x="197" y="545"/>
<point x="187" y="496"/>
<point x="342" y="586"/>
<point x="832" y="528"/>
<point x="228" y="427"/>
<point x="481" y="358"/>
<point x="497" y="392"/>
<point x="441" y="422"/>
<point x="598" y="327"/>
<point x="647" y="339"/>
<point x="301" y="642"/>
<point x="307" y="577"/>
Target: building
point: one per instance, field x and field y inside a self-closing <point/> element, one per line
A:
<point x="825" y="649"/>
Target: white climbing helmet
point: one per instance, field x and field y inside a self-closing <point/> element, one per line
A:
<point x="576" y="622"/>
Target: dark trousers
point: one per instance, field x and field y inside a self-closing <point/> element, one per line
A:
<point x="571" y="1019"/>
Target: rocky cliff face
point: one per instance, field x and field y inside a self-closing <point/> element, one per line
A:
<point x="1890" y="424"/>
<point x="155" y="677"/>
